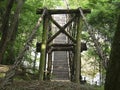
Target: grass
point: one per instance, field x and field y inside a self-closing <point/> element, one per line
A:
<point x="99" y="87"/>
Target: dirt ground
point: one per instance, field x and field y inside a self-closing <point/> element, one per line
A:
<point x="47" y="85"/>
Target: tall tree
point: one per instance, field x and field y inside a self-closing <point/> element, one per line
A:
<point x="9" y="29"/>
<point x="113" y="72"/>
<point x="4" y="28"/>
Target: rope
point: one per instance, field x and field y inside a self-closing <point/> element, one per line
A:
<point x="97" y="44"/>
<point x="67" y="5"/>
<point x="11" y="73"/>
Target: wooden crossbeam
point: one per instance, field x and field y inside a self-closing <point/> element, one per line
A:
<point x="71" y="38"/>
<point x="83" y="46"/>
<point x="62" y="49"/>
<point x="70" y="21"/>
<point x="62" y="29"/>
<point x="63" y="11"/>
<point x="54" y="22"/>
<point x="53" y="37"/>
<point x="61" y="45"/>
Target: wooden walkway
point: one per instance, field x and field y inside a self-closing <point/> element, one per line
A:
<point x="60" y="60"/>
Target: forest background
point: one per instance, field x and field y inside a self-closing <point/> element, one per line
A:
<point x="17" y="23"/>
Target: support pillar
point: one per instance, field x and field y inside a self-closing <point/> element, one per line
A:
<point x="49" y="65"/>
<point x="43" y="46"/>
<point x="77" y="51"/>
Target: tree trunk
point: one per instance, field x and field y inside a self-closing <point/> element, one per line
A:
<point x="9" y="33"/>
<point x="113" y="72"/>
<point x="4" y="28"/>
<point x="11" y="49"/>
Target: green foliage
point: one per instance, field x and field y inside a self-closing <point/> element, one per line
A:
<point x="2" y="9"/>
<point x="103" y="18"/>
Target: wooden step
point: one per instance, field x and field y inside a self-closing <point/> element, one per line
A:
<point x="61" y="75"/>
<point x="60" y="70"/>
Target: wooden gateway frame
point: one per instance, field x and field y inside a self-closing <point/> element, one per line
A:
<point x="47" y="47"/>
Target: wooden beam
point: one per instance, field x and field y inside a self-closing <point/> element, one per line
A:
<point x="77" y="51"/>
<point x="53" y="37"/>
<point x="43" y="46"/>
<point x="83" y="46"/>
<point x="55" y="22"/>
<point x="67" y="24"/>
<point x="70" y="21"/>
<point x="63" y="11"/>
<point x="71" y="38"/>
<point x="62" y="49"/>
<point x="62" y="29"/>
<point x="62" y="45"/>
<point x="49" y="67"/>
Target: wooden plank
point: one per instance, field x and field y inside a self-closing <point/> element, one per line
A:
<point x="63" y="11"/>
<point x="62" y="48"/>
<point x="60" y="66"/>
<point x="83" y="47"/>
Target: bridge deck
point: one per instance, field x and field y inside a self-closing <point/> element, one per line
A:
<point x="60" y="62"/>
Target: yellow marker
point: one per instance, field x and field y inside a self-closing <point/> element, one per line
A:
<point x="43" y="46"/>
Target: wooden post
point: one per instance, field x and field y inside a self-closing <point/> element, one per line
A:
<point x="72" y="67"/>
<point x="49" y="65"/>
<point x="77" y="51"/>
<point x="34" y="62"/>
<point x="43" y="47"/>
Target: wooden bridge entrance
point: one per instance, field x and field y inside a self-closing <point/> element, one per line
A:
<point x="61" y="42"/>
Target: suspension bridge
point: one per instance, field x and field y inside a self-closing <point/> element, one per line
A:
<point x="63" y="45"/>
